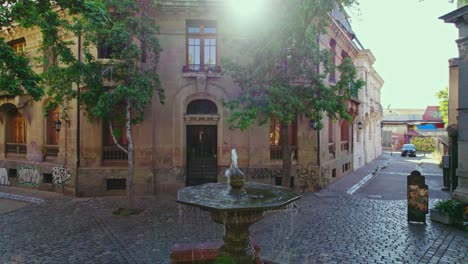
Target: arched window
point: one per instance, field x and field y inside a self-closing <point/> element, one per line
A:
<point x="15" y="132"/>
<point x="345" y="131"/>
<point x="52" y="134"/>
<point x="202" y="107"/>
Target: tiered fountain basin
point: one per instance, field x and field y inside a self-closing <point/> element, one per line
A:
<point x="237" y="207"/>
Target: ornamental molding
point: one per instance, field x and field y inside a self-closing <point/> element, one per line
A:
<point x="201" y="119"/>
<point x="344" y="39"/>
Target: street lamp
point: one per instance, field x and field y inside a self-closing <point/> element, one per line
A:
<point x="313" y="124"/>
<point x="58" y="125"/>
<point x="359" y="125"/>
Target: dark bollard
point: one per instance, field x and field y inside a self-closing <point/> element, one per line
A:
<point x="446" y="177"/>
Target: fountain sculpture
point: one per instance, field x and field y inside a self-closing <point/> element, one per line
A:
<point x="237" y="206"/>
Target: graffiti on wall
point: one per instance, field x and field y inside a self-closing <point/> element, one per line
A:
<point x="4" y="177"/>
<point x="29" y="176"/>
<point x="60" y="175"/>
<point x="264" y="174"/>
<point x="309" y="176"/>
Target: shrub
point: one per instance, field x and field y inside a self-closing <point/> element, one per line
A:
<point x="449" y="207"/>
<point x="424" y="144"/>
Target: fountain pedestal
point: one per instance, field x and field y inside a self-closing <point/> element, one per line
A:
<point x="237" y="206"/>
<point x="237" y="243"/>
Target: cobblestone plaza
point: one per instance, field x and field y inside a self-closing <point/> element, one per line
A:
<point x="331" y="226"/>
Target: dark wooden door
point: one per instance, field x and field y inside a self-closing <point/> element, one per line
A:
<point x="202" y="158"/>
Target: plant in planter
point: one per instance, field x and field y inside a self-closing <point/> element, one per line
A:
<point x="446" y="212"/>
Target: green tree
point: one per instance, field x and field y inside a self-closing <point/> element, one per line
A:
<point x="16" y="74"/>
<point x="442" y="95"/>
<point x="281" y="80"/>
<point x="125" y="82"/>
<point x="125" y="88"/>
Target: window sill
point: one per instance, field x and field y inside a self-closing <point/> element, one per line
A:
<point x="114" y="163"/>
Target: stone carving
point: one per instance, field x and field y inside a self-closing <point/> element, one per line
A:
<point x="34" y="154"/>
<point x="201" y="82"/>
<point x="60" y="175"/>
<point x="29" y="176"/>
<point x="4" y="177"/>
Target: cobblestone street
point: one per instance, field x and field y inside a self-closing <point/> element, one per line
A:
<point x="331" y="226"/>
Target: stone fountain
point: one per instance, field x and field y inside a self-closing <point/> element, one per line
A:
<point x="237" y="205"/>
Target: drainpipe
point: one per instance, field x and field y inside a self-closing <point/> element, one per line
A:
<point x="318" y="159"/>
<point x="78" y="120"/>
<point x="352" y="142"/>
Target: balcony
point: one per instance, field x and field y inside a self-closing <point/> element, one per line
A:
<point x="345" y="146"/>
<point x="16" y="148"/>
<point x="331" y="149"/>
<point x="209" y="68"/>
<point x="51" y="150"/>
<point x="113" y="155"/>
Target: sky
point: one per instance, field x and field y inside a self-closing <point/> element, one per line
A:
<point x="411" y="46"/>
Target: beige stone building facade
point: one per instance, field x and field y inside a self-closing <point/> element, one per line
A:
<point x="368" y="139"/>
<point x="188" y="141"/>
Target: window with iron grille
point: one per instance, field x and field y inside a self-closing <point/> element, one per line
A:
<point x="16" y="133"/>
<point x="331" y="135"/>
<point x="52" y="134"/>
<point x="111" y="152"/>
<point x="345" y="135"/>
<point x="201" y="46"/>
<point x="52" y="140"/>
<point x="275" y="139"/>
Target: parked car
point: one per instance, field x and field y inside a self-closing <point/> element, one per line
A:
<point x="408" y="149"/>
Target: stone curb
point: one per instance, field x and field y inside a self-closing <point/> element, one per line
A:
<point x="21" y="198"/>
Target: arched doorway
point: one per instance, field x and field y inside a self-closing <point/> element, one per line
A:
<point x="202" y="142"/>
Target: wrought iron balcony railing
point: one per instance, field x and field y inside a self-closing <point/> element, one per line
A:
<point x="113" y="153"/>
<point x="201" y="68"/>
<point x="344" y="145"/>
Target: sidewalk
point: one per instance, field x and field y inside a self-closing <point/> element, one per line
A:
<point x="351" y="179"/>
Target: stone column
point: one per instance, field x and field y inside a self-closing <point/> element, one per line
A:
<point x="460" y="18"/>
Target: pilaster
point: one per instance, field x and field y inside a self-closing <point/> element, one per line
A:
<point x="459" y="17"/>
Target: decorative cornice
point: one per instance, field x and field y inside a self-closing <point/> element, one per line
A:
<point x="344" y="39"/>
<point x="201" y="119"/>
<point x="457" y="16"/>
<point x="453" y="62"/>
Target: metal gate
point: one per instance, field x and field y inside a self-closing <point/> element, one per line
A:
<point x="202" y="158"/>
